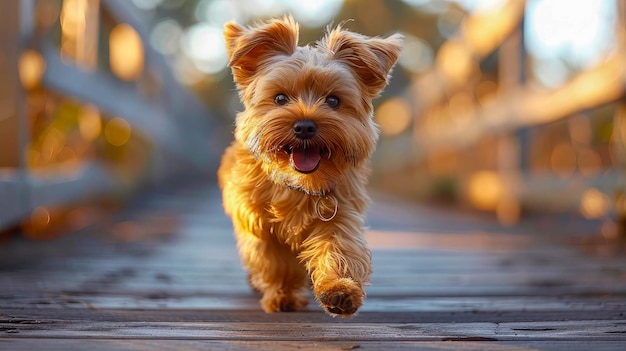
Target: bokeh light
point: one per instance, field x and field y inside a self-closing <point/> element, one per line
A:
<point x="393" y="116"/>
<point x="117" y="131"/>
<point x="90" y="123"/>
<point x="31" y="68"/>
<point x="485" y="189"/>
<point x="560" y="35"/>
<point x="217" y="12"/>
<point x="594" y="204"/>
<point x="166" y="36"/>
<point x="72" y="17"/>
<point x="205" y="45"/>
<point x="417" y="55"/>
<point x="126" y="53"/>
<point x="147" y="5"/>
<point x="314" y="13"/>
<point x="490" y="24"/>
<point x="455" y="60"/>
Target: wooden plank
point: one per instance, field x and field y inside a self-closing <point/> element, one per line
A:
<point x="248" y="301"/>
<point x="586" y="330"/>
<point x="192" y="345"/>
<point x="205" y="269"/>
<point x="75" y="310"/>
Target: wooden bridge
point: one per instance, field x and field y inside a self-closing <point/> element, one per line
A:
<point x="164" y="274"/>
<point x="160" y="271"/>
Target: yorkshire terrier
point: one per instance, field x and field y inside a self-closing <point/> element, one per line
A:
<point x="294" y="179"/>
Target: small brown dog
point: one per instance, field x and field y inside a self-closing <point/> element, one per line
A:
<point x="293" y="180"/>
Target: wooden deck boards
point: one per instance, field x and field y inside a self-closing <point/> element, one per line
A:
<point x="165" y="275"/>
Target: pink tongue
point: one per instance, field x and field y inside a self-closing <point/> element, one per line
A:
<point x="305" y="159"/>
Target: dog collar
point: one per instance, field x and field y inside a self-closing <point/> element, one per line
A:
<point x="318" y="211"/>
<point x="322" y="196"/>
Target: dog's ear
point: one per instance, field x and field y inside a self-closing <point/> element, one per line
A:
<point x="250" y="47"/>
<point x="370" y="58"/>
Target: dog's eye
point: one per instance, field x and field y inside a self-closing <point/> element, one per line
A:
<point x="281" y="99"/>
<point x="332" y="101"/>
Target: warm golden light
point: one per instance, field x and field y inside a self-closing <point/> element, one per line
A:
<point x="73" y="17"/>
<point x="90" y="123"/>
<point x="79" y="32"/>
<point x="455" y="61"/>
<point x="484" y="31"/>
<point x="31" y="68"/>
<point x="485" y="190"/>
<point x="393" y="116"/>
<point x="126" y="53"/>
<point x="117" y="131"/>
<point x="594" y="204"/>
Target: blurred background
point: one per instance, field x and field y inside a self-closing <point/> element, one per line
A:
<point x="508" y="108"/>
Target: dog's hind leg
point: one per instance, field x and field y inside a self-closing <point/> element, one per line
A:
<point x="275" y="272"/>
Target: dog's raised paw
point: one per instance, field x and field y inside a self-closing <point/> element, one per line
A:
<point x="342" y="297"/>
<point x="338" y="303"/>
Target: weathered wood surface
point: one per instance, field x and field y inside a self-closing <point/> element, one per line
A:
<point x="165" y="275"/>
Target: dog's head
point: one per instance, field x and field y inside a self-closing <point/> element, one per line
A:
<point x="308" y="110"/>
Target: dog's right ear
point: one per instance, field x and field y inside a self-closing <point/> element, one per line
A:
<point x="250" y="48"/>
<point x="370" y="58"/>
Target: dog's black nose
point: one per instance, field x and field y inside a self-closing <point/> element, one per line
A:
<point x="305" y="129"/>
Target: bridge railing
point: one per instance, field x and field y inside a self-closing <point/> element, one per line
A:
<point x="485" y="136"/>
<point x="89" y="108"/>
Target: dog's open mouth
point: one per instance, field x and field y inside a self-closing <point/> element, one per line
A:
<point x="304" y="159"/>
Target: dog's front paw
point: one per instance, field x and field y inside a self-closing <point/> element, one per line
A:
<point x="341" y="297"/>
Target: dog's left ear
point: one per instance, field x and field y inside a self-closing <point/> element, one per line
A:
<point x="249" y="48"/>
<point x="370" y="58"/>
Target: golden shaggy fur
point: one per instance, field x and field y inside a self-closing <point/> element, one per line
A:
<point x="283" y="213"/>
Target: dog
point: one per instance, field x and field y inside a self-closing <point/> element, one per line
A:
<point x="294" y="179"/>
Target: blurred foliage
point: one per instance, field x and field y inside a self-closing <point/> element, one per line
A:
<point x="369" y="17"/>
